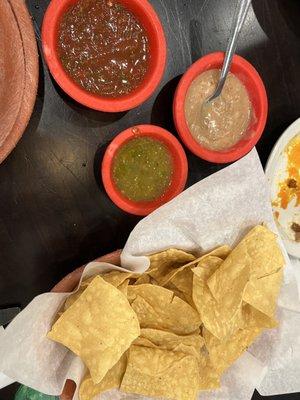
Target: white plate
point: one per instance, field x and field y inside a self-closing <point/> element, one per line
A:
<point x="275" y="173"/>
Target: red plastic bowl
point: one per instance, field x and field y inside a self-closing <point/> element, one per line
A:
<point x="179" y="175"/>
<point x="148" y="18"/>
<point x="257" y="93"/>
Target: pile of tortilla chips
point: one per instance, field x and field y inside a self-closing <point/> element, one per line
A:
<point x="173" y="331"/>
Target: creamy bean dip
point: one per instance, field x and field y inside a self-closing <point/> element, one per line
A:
<point x="220" y="124"/>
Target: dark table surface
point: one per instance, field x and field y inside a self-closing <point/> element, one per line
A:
<point x="54" y="214"/>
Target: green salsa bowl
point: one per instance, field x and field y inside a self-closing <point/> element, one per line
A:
<point x="143" y="168"/>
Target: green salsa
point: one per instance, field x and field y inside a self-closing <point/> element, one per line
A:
<point x="142" y="169"/>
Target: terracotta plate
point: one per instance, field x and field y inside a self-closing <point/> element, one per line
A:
<point x="12" y="71"/>
<point x="19" y="73"/>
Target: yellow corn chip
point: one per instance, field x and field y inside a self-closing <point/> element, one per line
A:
<point x="176" y="292"/>
<point x="179" y="347"/>
<point x="183" y="282"/>
<point x="223" y="354"/>
<point x="220" y="252"/>
<point x="99" y="327"/>
<point x="189" y="344"/>
<point x="161" y="373"/>
<point x="162" y="264"/>
<point x="123" y="287"/>
<point x="73" y="297"/>
<point x="209" y="378"/>
<point x="141" y="341"/>
<point x="207" y="267"/>
<point x="255" y="319"/>
<point x="86" y="282"/>
<point x="262" y="293"/>
<point x="88" y="390"/>
<point x="222" y="318"/>
<point x="116" y="278"/>
<point x="163" y="338"/>
<point x="158" y="308"/>
<point x="144" y="278"/>
<point x="222" y="281"/>
<point x="258" y="253"/>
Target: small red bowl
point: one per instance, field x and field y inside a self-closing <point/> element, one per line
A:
<point x="258" y="97"/>
<point x="158" y="49"/>
<point x="179" y="174"/>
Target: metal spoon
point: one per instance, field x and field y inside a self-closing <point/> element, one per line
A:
<point x="238" y="22"/>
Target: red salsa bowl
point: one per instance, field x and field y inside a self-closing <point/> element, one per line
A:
<point x="148" y="18"/>
<point x="248" y="75"/>
<point x="179" y="162"/>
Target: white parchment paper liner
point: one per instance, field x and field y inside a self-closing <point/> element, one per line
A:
<point x="218" y="210"/>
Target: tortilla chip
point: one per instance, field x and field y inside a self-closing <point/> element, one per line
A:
<point x="177" y="292"/>
<point x="223" y="354"/>
<point x="162" y="264"/>
<point x="255" y="319"/>
<point x="222" y="318"/>
<point x="161" y="373"/>
<point x="183" y="282"/>
<point x="189" y="344"/>
<point x="57" y="316"/>
<point x="209" y="378"/>
<point x="262" y="293"/>
<point x="144" y="278"/>
<point x="86" y="282"/>
<point x="124" y="287"/>
<point x="257" y="254"/>
<point x="207" y="267"/>
<point x="220" y="252"/>
<point x="158" y="308"/>
<point x="169" y="339"/>
<point x="180" y="347"/>
<point x="73" y="297"/>
<point x="99" y="327"/>
<point x="141" y="341"/>
<point x="221" y="282"/>
<point x="88" y="390"/>
<point x="116" y="278"/>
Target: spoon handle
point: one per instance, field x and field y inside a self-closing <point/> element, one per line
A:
<point x="240" y="15"/>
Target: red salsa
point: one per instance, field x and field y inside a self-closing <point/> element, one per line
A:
<point x="103" y="47"/>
